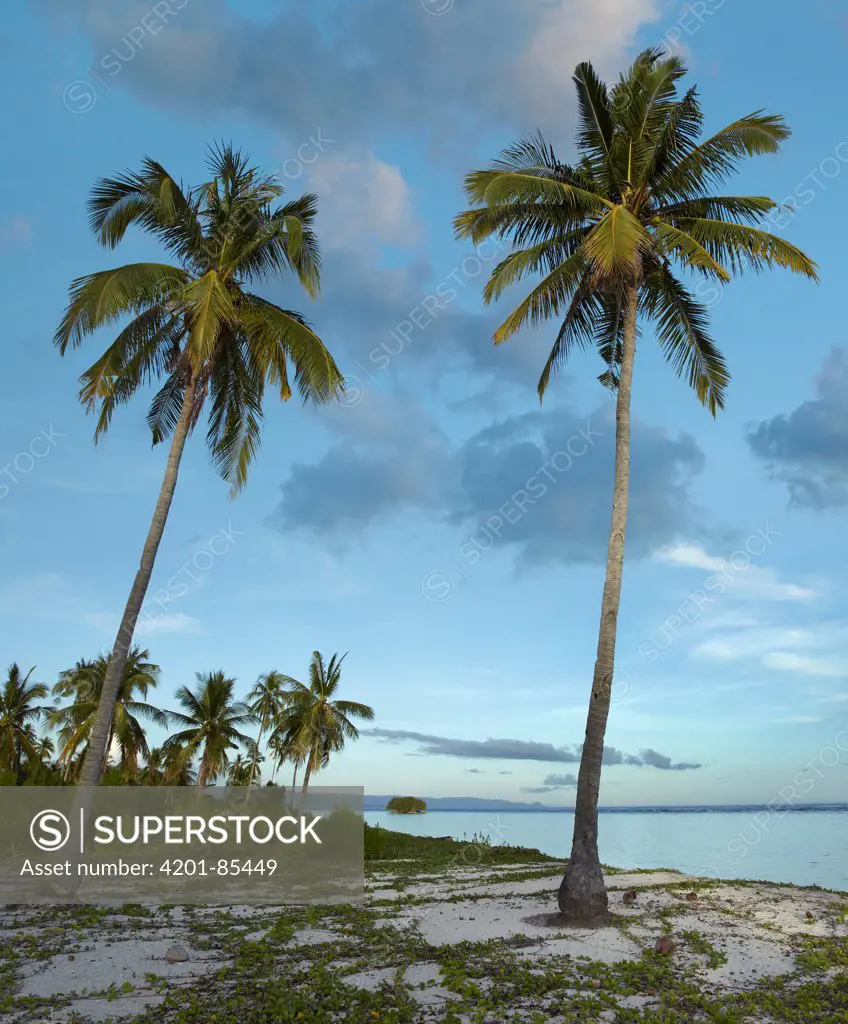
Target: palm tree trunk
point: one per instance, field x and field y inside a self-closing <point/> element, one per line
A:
<point x="582" y="894"/>
<point x="306" y="775"/>
<point x="105" y="760"/>
<point x="255" y="759"/>
<point x="98" y="742"/>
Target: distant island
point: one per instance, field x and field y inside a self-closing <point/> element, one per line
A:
<point x="406" y="805"/>
<point x="473" y="803"/>
<point x="460" y="803"/>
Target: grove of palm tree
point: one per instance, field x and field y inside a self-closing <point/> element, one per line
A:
<point x="315" y="723"/>
<point x="210" y="737"/>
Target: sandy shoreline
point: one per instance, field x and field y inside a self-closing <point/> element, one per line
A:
<point x="452" y="945"/>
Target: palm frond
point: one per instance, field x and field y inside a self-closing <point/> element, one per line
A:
<point x="614" y="247"/>
<point x="153" y="200"/>
<point x="548" y="297"/>
<point x="739" y="209"/>
<point x="493" y="187"/>
<point x="106" y="297"/>
<point x="208" y="310"/>
<point x="577" y="330"/>
<point x="714" y="160"/>
<point x="681" y="326"/>
<point x="278" y="335"/>
<point x="235" y="415"/>
<point x="677" y="137"/>
<point x="676" y="241"/>
<point x="166" y="407"/>
<point x="741" y="246"/>
<point x="596" y="129"/>
<point x="544" y="256"/>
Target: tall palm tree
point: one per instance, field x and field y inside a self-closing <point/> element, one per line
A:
<point x="211" y="719"/>
<point x="43" y="748"/>
<point x="313" y="724"/>
<point x="244" y="771"/>
<point x="178" y="769"/>
<point x="267" y="699"/>
<point x="195" y="326"/>
<point x="609" y="236"/>
<point x="19" y="712"/>
<point x="284" y="747"/>
<point x="39" y="767"/>
<point x="83" y="685"/>
<point x="152" y="772"/>
<point x="167" y="767"/>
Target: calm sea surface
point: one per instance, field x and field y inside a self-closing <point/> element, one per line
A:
<point x="805" y="847"/>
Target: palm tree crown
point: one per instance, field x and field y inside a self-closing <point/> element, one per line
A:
<point x="83" y="684"/>
<point x="244" y="771"/>
<point x="313" y="723"/>
<point x="635" y="207"/>
<point x="195" y="322"/>
<point x="19" y="712"/>
<point x="267" y="700"/>
<point x="211" y="718"/>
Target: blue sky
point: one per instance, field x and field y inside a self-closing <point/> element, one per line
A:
<point x="394" y="527"/>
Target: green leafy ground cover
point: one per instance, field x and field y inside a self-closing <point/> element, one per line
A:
<point x="450" y="932"/>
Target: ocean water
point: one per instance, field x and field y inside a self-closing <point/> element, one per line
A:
<point x="801" y="846"/>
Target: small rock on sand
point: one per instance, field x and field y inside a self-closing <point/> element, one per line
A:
<point x="177" y="954"/>
<point x="664" y="946"/>
<point x="691" y="896"/>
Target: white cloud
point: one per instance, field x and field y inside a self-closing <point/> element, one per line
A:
<point x="815" y="652"/>
<point x="797" y="720"/>
<point x="567" y="32"/>
<point x="787" y="661"/>
<point x="52" y="596"/>
<point x="731" y="621"/>
<point x="689" y="556"/>
<point x="149" y="622"/>
<point x="362" y="198"/>
<point x="732" y="687"/>
<point x="737" y="573"/>
<point x="760" y="642"/>
<point x="173" y="622"/>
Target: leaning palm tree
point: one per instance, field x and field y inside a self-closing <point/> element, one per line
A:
<point x="19" y="712"/>
<point x="267" y="699"/>
<point x="610" y="236"/>
<point x="197" y="328"/>
<point x="313" y="724"/>
<point x="211" y="719"/>
<point x="83" y="685"/>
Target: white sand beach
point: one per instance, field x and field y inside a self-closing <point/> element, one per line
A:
<point x="457" y="942"/>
